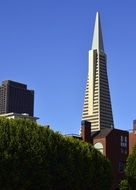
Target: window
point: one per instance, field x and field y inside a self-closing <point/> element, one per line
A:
<point x="126" y="151"/>
<point x="123" y="141"/>
<point x="121" y="150"/>
<point x="121" y="166"/>
<point x="99" y="146"/>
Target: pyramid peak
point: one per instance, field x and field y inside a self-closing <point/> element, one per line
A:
<point x="97" y="42"/>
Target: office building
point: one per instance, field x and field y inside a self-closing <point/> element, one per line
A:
<point x="97" y="102"/>
<point x="132" y="138"/>
<point x="16" y="98"/>
<point x="97" y="125"/>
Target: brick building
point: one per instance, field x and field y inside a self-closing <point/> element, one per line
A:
<point x="132" y="138"/>
<point x="112" y="143"/>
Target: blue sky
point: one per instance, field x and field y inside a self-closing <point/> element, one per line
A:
<point x="45" y="43"/>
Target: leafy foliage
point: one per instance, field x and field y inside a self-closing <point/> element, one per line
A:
<point x="130" y="170"/>
<point x="124" y="185"/>
<point x="33" y="157"/>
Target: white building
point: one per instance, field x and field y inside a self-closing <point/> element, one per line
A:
<point x="97" y="103"/>
<point x="19" y="116"/>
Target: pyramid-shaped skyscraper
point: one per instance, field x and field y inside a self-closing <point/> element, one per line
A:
<point x="97" y="102"/>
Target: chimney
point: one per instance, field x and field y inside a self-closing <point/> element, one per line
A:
<point x="134" y="125"/>
<point x="86" y="131"/>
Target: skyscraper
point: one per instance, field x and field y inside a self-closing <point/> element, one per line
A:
<point x="15" y="97"/>
<point x="97" y="103"/>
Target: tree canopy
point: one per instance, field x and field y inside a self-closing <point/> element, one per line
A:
<point x="130" y="170"/>
<point x="33" y="157"/>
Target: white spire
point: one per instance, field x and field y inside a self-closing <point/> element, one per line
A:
<point x="97" y="107"/>
<point x="97" y="35"/>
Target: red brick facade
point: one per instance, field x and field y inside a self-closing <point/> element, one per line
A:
<point x="132" y="138"/>
<point x="113" y="143"/>
<point x="117" y="152"/>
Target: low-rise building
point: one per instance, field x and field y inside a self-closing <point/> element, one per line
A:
<point x="19" y="116"/>
<point x="112" y="143"/>
<point x="132" y="138"/>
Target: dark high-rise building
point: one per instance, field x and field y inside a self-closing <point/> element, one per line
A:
<point x="15" y="97"/>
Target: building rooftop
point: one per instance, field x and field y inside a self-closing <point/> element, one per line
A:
<point x="102" y="133"/>
<point x="13" y="115"/>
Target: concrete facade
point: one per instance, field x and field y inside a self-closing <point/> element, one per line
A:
<point x="97" y="102"/>
<point x="19" y="116"/>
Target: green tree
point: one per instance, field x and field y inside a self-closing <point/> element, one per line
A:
<point x="33" y="157"/>
<point x="124" y="185"/>
<point x="130" y="170"/>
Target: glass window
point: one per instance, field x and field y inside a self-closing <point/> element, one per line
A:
<point x="121" y="166"/>
<point x="123" y="141"/>
<point x="125" y="151"/>
<point x="121" y="150"/>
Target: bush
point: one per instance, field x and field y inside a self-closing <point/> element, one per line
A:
<point x="124" y="185"/>
<point x="130" y="170"/>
